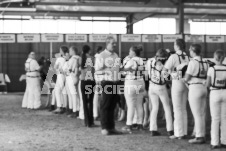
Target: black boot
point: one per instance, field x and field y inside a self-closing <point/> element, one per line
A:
<point x="170" y="133"/>
<point x="69" y="111"/>
<point x="155" y="133"/>
<point x="63" y="110"/>
<point x="52" y="107"/>
<point x="77" y="113"/>
<point x="140" y="127"/>
<point x="135" y="126"/>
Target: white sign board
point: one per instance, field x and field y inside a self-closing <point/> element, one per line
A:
<point x="28" y="38"/>
<point x="215" y="39"/>
<point x="171" y="38"/>
<point x="194" y="38"/>
<point x="130" y="38"/>
<point x="151" y="38"/>
<point x="7" y="38"/>
<point x="76" y="38"/>
<point x="52" y="38"/>
<point x="100" y="38"/>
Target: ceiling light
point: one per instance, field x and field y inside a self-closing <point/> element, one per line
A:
<point x="117" y="18"/>
<point x="86" y="18"/>
<point x="100" y="18"/>
<point x="26" y="17"/>
<point x="9" y="16"/>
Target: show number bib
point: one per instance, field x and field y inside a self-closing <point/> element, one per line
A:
<point x="176" y="75"/>
<point x="155" y="79"/>
<point x="220" y="82"/>
<point x="202" y="72"/>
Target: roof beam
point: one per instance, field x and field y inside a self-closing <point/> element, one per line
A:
<point x="100" y="9"/>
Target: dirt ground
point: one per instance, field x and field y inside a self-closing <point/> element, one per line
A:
<point x="27" y="130"/>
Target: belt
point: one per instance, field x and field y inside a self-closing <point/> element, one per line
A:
<point x="194" y="83"/>
<point x="32" y="71"/>
<point x="134" y="79"/>
<point x="151" y="82"/>
<point x="218" y="89"/>
<point x="115" y="82"/>
<point x="33" y="76"/>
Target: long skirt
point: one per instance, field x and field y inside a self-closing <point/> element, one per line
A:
<point x="32" y="95"/>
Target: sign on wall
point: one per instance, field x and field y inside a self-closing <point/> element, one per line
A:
<point x="130" y="38"/>
<point x="7" y="38"/>
<point x="24" y="38"/>
<point x="151" y="38"/>
<point x="52" y="38"/>
<point x="194" y="38"/>
<point x="76" y="38"/>
<point x="171" y="38"/>
<point x="215" y="39"/>
<point x="100" y="38"/>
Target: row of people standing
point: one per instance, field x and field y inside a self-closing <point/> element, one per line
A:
<point x="71" y="83"/>
<point x="189" y="77"/>
<point x="186" y="73"/>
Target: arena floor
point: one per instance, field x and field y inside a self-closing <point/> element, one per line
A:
<point x="26" y="130"/>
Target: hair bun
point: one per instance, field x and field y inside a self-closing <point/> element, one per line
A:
<point x="140" y="48"/>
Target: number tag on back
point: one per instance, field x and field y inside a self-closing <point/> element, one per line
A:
<point x="220" y="82"/>
<point x="202" y="73"/>
<point x="155" y="79"/>
<point x="176" y="75"/>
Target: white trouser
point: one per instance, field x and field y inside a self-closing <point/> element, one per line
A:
<point x="157" y="92"/>
<point x="134" y="117"/>
<point x="72" y="93"/>
<point x="218" y="114"/>
<point x="65" y="99"/>
<point x="53" y="97"/>
<point x="76" y="103"/>
<point x="32" y="95"/>
<point x="96" y="99"/>
<point x="179" y="100"/>
<point x="134" y="100"/>
<point x="81" y="110"/>
<point x="197" y="101"/>
<point x="59" y="89"/>
<point x="146" y="108"/>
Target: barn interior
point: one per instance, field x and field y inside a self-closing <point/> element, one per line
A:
<point x="152" y="24"/>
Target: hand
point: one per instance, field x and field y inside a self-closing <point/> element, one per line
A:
<point x="183" y="79"/>
<point x="204" y="82"/>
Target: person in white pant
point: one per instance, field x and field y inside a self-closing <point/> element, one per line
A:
<point x="216" y="80"/>
<point x="72" y="81"/>
<point x="158" y="90"/>
<point x="179" y="89"/>
<point x="65" y="95"/>
<point x="60" y="83"/>
<point x="134" y="88"/>
<point x="96" y="97"/>
<point x="196" y="75"/>
<point x="32" y="95"/>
